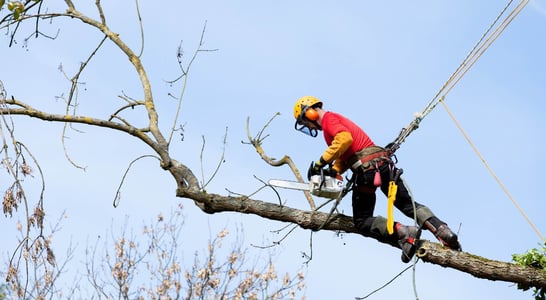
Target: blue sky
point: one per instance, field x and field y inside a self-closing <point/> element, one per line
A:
<point x="376" y="63"/>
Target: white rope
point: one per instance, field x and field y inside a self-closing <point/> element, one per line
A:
<point x="516" y="204"/>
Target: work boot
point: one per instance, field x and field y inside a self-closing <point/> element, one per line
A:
<point x="447" y="237"/>
<point x="407" y="237"/>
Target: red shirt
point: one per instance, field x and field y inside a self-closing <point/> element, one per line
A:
<point x="334" y="123"/>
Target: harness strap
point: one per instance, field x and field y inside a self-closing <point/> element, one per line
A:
<point x="367" y="158"/>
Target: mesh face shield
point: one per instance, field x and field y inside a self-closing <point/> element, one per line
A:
<point x="301" y="127"/>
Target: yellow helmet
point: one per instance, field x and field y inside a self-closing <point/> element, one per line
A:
<point x="304" y="102"/>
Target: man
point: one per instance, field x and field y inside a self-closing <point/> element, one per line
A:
<point x="349" y="147"/>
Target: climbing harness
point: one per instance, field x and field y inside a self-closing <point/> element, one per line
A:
<point x="370" y="159"/>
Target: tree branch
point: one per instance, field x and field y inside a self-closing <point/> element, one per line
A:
<point x="429" y="252"/>
<point x="256" y="142"/>
<point x="34" y="113"/>
<point x="161" y="145"/>
<point x="481" y="267"/>
<point x="213" y="203"/>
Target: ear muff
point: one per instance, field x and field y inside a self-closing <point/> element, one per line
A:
<point x="311" y="114"/>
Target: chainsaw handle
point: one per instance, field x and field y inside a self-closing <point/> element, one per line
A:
<point x="322" y="178"/>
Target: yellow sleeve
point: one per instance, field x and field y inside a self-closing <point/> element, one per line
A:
<point x="342" y="141"/>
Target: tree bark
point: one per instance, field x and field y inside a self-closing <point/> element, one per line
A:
<point x="481" y="267"/>
<point x="430" y="252"/>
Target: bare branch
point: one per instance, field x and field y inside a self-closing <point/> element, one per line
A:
<point x="185" y="72"/>
<point x="141" y="29"/>
<point x="279" y="241"/>
<point x="385" y="285"/>
<point x="220" y="161"/>
<point x="256" y="142"/>
<point x="101" y="12"/>
<point x="31" y="112"/>
<point x="117" y="198"/>
<point x="161" y="143"/>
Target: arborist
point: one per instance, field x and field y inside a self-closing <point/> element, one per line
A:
<point x="349" y="147"/>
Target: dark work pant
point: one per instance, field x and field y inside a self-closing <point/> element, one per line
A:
<point x="364" y="199"/>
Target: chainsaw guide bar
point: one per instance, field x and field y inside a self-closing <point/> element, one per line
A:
<point x="321" y="186"/>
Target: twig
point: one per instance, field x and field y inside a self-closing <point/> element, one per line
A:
<point x="310" y="256"/>
<point x="117" y="198"/>
<point x="278" y="242"/>
<point x="184" y="75"/>
<point x="220" y="161"/>
<point x="74" y="93"/>
<point x="141" y="29"/>
<point x="386" y="284"/>
<point x="256" y="142"/>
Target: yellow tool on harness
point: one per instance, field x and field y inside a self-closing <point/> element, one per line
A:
<point x="393" y="188"/>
